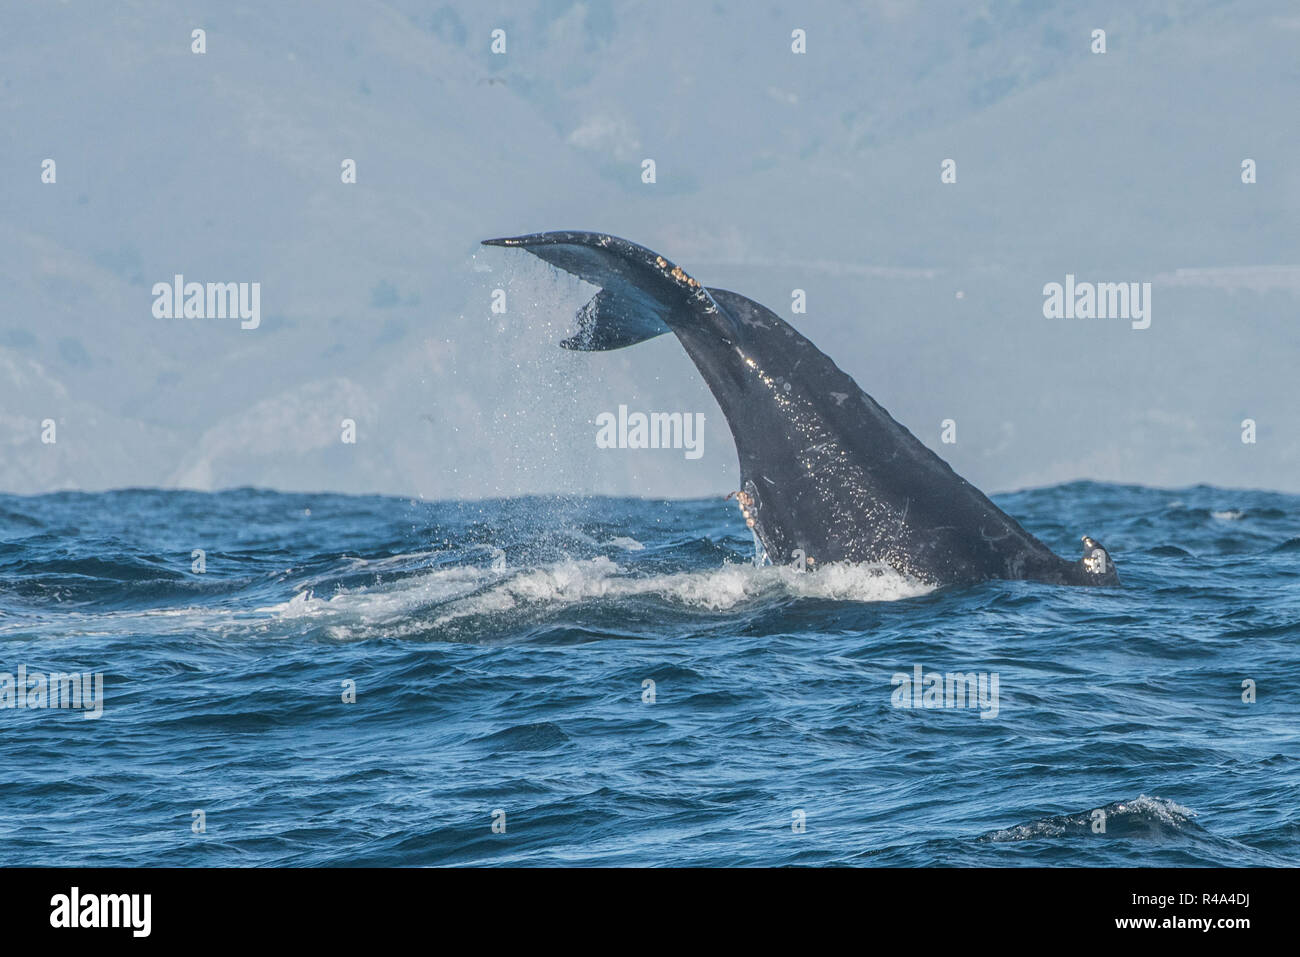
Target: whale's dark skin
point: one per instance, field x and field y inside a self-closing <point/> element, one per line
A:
<point x="827" y="474"/>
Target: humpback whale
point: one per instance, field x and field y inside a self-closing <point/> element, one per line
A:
<point x="827" y="474"/>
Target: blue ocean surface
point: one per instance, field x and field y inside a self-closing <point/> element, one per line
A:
<point x="612" y="682"/>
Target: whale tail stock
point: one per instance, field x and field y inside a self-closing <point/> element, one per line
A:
<point x="827" y="474"/>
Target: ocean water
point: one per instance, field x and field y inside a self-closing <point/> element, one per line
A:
<point x="501" y="653"/>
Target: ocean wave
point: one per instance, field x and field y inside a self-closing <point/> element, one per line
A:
<point x="628" y="704"/>
<point x="1141" y="817"/>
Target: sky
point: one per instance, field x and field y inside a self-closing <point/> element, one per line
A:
<point x="775" y="170"/>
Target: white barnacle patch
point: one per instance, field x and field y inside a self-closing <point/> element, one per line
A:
<point x="746" y="502"/>
<point x="683" y="278"/>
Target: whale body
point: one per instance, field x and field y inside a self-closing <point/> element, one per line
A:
<point x="827" y="474"/>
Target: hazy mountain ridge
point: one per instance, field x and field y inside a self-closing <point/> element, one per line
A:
<point x="776" y="172"/>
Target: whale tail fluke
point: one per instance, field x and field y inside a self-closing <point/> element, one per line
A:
<point x="611" y="322"/>
<point x="828" y="475"/>
<point x="642" y="295"/>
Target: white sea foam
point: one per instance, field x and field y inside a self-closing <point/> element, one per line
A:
<point x="439" y="597"/>
<point x="718" y="589"/>
<point x="466" y="592"/>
